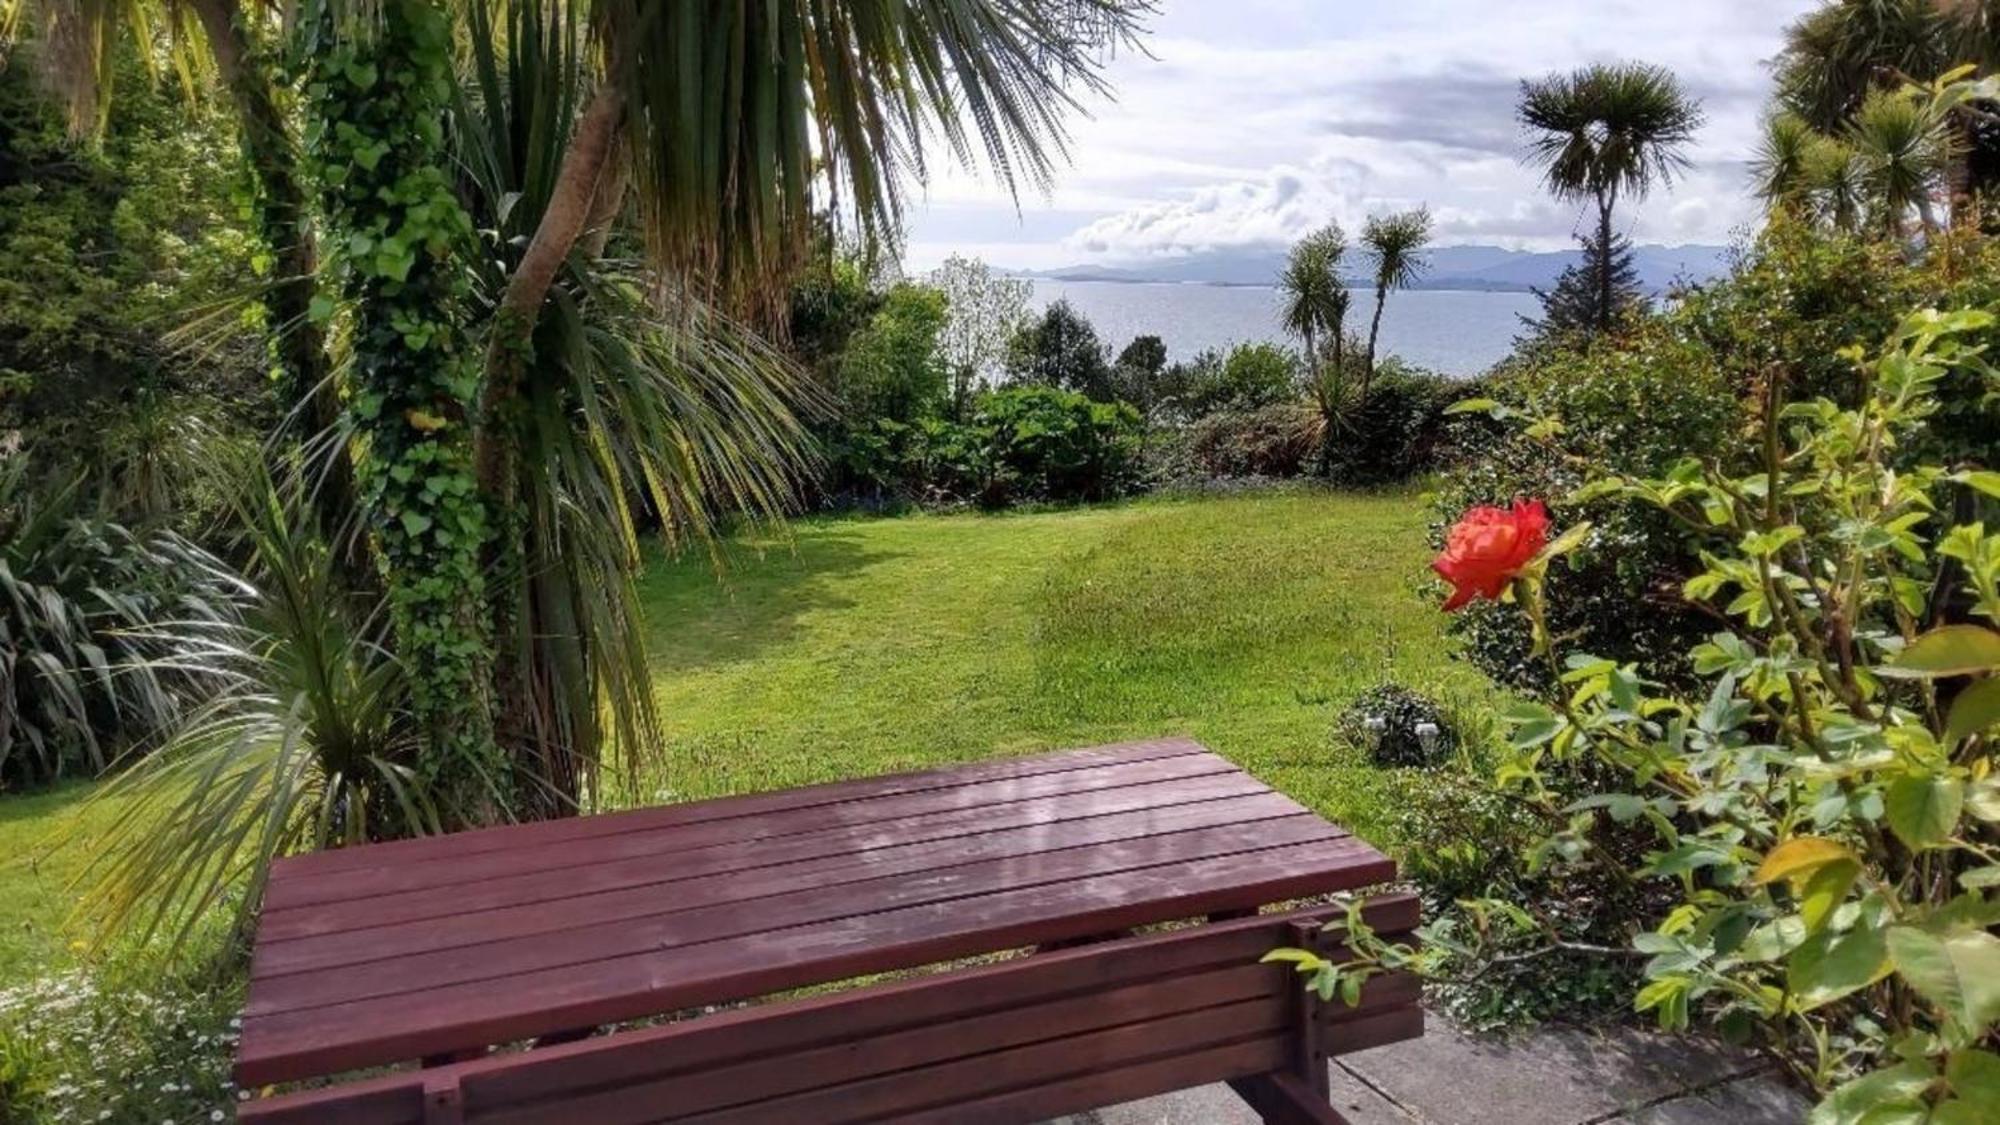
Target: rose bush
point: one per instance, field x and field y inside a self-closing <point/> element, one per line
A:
<point x="1824" y="815"/>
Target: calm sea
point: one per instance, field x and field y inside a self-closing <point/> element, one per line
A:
<point x="1454" y="332"/>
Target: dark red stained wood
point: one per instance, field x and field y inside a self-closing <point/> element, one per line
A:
<point x="973" y="1036"/>
<point x="540" y="833"/>
<point x="327" y="1040"/>
<point x="1108" y="1086"/>
<point x="1000" y="1072"/>
<point x="791" y="908"/>
<point x="420" y="874"/>
<point x="1285" y="1099"/>
<point x="1140" y="976"/>
<point x="848" y="844"/>
<point x="484" y="937"/>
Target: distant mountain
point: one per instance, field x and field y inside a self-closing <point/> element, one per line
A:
<point x="1451" y="267"/>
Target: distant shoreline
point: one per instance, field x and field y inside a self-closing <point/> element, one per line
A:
<point x="1441" y="285"/>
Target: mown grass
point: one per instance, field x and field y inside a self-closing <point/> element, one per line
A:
<point x="37" y="877"/>
<point x="857" y="646"/>
<point x="862" y="646"/>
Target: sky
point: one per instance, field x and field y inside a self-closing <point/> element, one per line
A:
<point x="1245" y="123"/>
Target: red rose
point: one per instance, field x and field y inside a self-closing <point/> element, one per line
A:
<point x="1487" y="547"/>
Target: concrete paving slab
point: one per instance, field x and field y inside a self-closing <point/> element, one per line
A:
<point x="1759" y="1099"/>
<point x="1555" y="1076"/>
<point x="1551" y="1076"/>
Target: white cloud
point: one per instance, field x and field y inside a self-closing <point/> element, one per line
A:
<point x="1254" y="120"/>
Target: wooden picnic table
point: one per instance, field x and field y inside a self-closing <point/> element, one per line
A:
<point x="436" y="951"/>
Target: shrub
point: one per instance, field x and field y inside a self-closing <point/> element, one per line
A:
<point x="1634" y="405"/>
<point x="1036" y="443"/>
<point x="85" y="668"/>
<point x="1399" y="431"/>
<point x="1822" y="810"/>
<point x="1388" y="721"/>
<point x="1246" y="378"/>
<point x="1270" y="441"/>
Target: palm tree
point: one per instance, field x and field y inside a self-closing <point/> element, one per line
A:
<point x="715" y="133"/>
<point x="1780" y="164"/>
<point x="1835" y="184"/>
<point x="1315" y="307"/>
<point x="1838" y="55"/>
<point x="1902" y="148"/>
<point x="1315" y="302"/>
<point x="1605" y="131"/>
<point x="1396" y="242"/>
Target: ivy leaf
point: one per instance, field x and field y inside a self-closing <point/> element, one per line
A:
<point x="424" y="420"/>
<point x="320" y="310"/>
<point x="1976" y="709"/>
<point x="1954" y="650"/>
<point x="415" y="523"/>
<point x="1959" y="971"/>
<point x="1923" y="809"/>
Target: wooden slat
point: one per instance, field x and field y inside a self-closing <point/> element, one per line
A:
<point x="719" y="1042"/>
<point x="896" y="1053"/>
<point x="871" y="902"/>
<point x="949" y="1085"/>
<point x="1107" y="1086"/>
<point x="1365" y="1031"/>
<point x="832" y="846"/>
<point x="541" y="833"/>
<point x="327" y="1040"/>
<point x="412" y="874"/>
<point x="486" y="936"/>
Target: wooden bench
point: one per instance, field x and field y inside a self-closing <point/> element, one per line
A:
<point x="442" y="951"/>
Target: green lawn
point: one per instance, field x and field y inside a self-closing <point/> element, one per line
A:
<point x="862" y="646"/>
<point x="859" y="646"/>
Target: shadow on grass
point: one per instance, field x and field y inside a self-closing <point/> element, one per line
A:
<point x="699" y="615"/>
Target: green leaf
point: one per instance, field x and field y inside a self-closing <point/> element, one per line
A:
<point x="1975" y="1076"/>
<point x="1824" y="891"/>
<point x="1959" y="971"/>
<point x="415" y="523"/>
<point x="1472" y="406"/>
<point x="1980" y="878"/>
<point x="1976" y="710"/>
<point x="1923" y="809"/>
<point x="1982" y="480"/>
<point x="1900" y="1085"/>
<point x="1983" y="801"/>
<point x="1954" y="650"/>
<point x="1832" y="965"/>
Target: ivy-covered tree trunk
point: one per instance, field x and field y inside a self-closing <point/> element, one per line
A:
<point x="284" y="224"/>
<point x="378" y="92"/>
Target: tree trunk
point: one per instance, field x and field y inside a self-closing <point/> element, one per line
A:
<point x="285" y="226"/>
<point x="588" y="192"/>
<point x="1604" y="201"/>
<point x="1374" y="329"/>
<point x="511" y="340"/>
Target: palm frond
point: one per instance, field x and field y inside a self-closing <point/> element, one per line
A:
<point x="304" y="743"/>
<point x="1608" y="129"/>
<point x="747" y="119"/>
<point x="1396" y="242"/>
